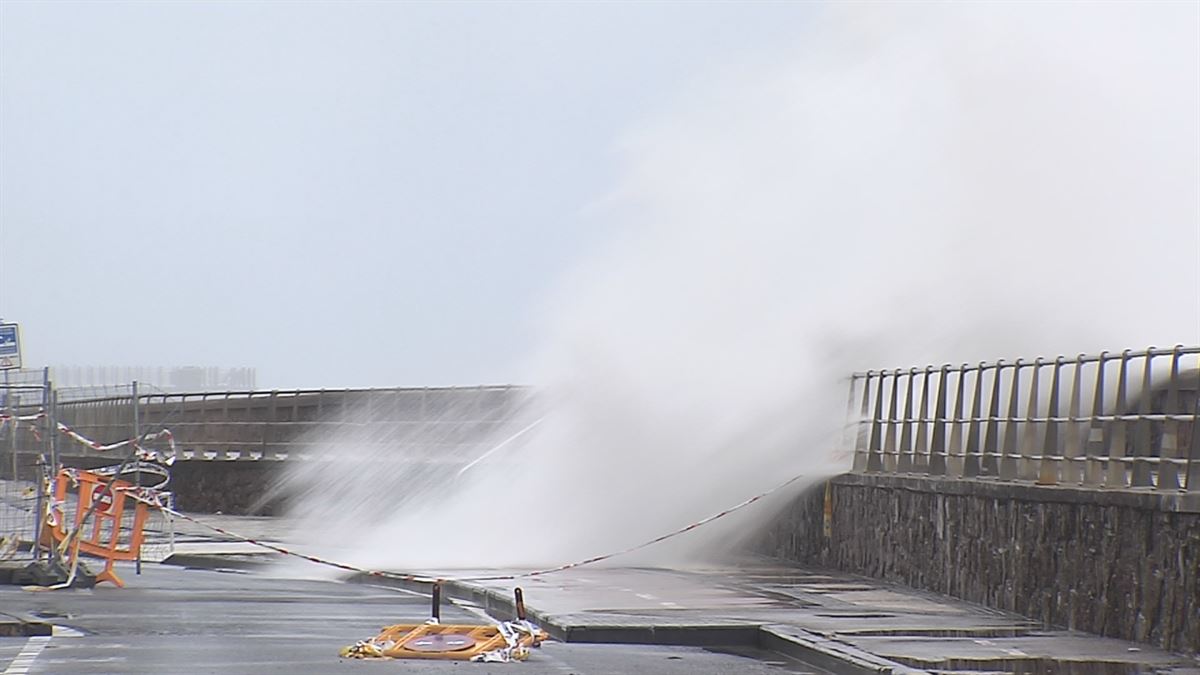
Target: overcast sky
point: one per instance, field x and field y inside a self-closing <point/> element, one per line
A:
<point x="396" y="193"/>
<point x="333" y="193"/>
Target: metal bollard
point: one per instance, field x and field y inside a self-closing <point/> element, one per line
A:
<point x="520" y="602"/>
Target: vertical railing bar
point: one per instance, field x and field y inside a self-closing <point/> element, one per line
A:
<point x="904" y="462"/>
<point x="848" y="428"/>
<point x="1141" y="475"/>
<point x="1118" y="445"/>
<point x="989" y="460"/>
<point x="1008" y="462"/>
<point x="862" y="440"/>
<point x="1030" y="441"/>
<point x="973" y="448"/>
<point x="1098" y="440"/>
<point x="1193" y="456"/>
<point x="1169" y="445"/>
<point x="921" y="451"/>
<point x="1048" y="473"/>
<point x="889" y="442"/>
<point x="874" y="461"/>
<point x="937" y="449"/>
<point x="954" y="460"/>
<point x="1072" y="472"/>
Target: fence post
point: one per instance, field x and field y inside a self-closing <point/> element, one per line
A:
<point x="52" y="424"/>
<point x="39" y="482"/>
<point x="137" y="441"/>
<point x="14" y="402"/>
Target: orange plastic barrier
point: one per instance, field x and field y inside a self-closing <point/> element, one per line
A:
<point x="101" y="531"/>
<point x="443" y="641"/>
<point x="502" y="642"/>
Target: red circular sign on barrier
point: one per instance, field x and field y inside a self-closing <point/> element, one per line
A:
<point x="102" y="498"/>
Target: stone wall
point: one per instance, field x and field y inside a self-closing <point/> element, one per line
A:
<point x="225" y="487"/>
<point x="1118" y="563"/>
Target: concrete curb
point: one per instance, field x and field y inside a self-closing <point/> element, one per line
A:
<point x="16" y="626"/>
<point x="826" y="653"/>
<point x="213" y="561"/>
<point x="787" y="640"/>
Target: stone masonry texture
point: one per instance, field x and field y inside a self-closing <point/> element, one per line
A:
<point x="1123" y="564"/>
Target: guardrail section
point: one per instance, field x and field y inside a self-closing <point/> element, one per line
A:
<point x="1112" y="420"/>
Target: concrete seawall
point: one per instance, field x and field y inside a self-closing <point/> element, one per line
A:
<point x="1118" y="563"/>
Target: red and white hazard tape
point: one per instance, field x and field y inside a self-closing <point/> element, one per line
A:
<point x="16" y="420"/>
<point x="143" y="453"/>
<point x="497" y="577"/>
<point x="5" y="418"/>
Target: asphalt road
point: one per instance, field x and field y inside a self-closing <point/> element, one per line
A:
<point x="174" y="620"/>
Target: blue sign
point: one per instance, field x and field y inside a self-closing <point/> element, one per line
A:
<point x="10" y="346"/>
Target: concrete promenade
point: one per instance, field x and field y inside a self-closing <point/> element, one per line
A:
<point x="841" y="622"/>
<point x="811" y="619"/>
<point x="837" y="621"/>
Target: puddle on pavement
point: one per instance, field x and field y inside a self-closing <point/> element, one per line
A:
<point x="45" y="614"/>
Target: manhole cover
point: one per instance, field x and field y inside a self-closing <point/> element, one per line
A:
<point x="440" y="642"/>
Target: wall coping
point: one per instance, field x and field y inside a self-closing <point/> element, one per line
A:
<point x="1149" y="499"/>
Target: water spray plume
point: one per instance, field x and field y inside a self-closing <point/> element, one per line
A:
<point x="915" y="184"/>
<point x="499" y="446"/>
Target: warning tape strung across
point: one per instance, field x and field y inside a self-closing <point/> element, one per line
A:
<point x="143" y="452"/>
<point x="136" y="441"/>
<point x="497" y="577"/>
<point x="153" y="499"/>
<point x="4" y="418"/>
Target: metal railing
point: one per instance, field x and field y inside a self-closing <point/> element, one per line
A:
<point x="282" y="423"/>
<point x="1112" y="420"/>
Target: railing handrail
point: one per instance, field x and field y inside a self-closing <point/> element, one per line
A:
<point x="268" y="393"/>
<point x="1040" y="361"/>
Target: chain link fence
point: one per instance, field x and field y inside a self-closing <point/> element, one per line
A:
<point x="31" y="441"/>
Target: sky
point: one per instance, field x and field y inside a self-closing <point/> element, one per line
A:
<point x="399" y="194"/>
<point x="337" y="194"/>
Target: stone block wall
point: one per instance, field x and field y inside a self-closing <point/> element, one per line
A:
<point x="1119" y="563"/>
